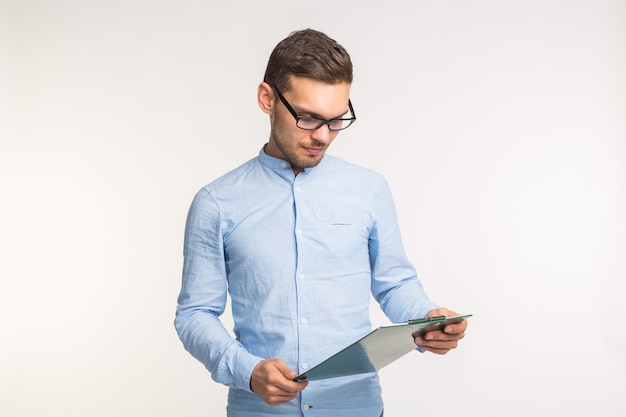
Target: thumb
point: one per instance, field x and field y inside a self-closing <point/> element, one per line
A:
<point x="285" y="370"/>
<point x="442" y="311"/>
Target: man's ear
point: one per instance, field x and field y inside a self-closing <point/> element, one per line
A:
<point x="265" y="98"/>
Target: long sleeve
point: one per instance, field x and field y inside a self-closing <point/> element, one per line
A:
<point x="203" y="298"/>
<point x="394" y="281"/>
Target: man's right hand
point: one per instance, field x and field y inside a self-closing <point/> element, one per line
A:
<point x="272" y="380"/>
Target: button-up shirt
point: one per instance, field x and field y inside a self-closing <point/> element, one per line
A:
<point x="300" y="256"/>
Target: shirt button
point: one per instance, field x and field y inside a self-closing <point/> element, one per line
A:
<point x="298" y="189"/>
<point x="304" y="320"/>
<point x="306" y="407"/>
<point x="301" y="276"/>
<point x="298" y="231"/>
<point x="305" y="365"/>
<point x="284" y="164"/>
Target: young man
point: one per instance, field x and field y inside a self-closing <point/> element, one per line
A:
<point x="299" y="240"/>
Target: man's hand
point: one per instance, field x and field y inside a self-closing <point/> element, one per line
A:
<point x="272" y="381"/>
<point x="441" y="341"/>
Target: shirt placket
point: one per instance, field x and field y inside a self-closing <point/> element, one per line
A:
<point x="305" y="318"/>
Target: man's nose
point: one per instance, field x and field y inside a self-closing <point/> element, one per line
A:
<point x="321" y="134"/>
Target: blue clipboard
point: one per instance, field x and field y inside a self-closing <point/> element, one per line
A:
<point x="377" y="349"/>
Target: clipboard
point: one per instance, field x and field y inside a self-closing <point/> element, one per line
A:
<point x="377" y="349"/>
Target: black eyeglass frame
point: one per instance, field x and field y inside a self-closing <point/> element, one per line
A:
<point x="322" y="122"/>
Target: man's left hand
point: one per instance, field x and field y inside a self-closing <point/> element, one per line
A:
<point x="441" y="341"/>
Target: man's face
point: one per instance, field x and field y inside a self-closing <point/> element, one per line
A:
<point x="305" y="148"/>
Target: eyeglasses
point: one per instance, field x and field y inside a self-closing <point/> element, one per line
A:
<point x="313" y="123"/>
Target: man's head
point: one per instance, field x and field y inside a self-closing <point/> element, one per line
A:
<point x="306" y="93"/>
<point x="309" y="54"/>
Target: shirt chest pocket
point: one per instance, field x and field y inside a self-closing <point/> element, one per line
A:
<point x="338" y="246"/>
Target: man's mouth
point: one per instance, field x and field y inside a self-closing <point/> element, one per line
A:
<point x="313" y="150"/>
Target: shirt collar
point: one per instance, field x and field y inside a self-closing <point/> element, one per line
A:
<point x="280" y="166"/>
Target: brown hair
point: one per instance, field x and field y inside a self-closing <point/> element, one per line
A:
<point x="311" y="54"/>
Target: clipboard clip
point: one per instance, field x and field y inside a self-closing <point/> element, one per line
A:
<point x="425" y="319"/>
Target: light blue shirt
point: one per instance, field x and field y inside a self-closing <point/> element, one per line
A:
<point x="299" y="257"/>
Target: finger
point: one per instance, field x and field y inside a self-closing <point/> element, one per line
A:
<point x="444" y="344"/>
<point x="278" y="399"/>
<point x="436" y="351"/>
<point x="443" y="337"/>
<point x="456" y="327"/>
<point x="289" y="386"/>
<point x="287" y="383"/>
<point x="439" y="348"/>
<point x="287" y="373"/>
<point x="434" y="347"/>
<point x="279" y="385"/>
<point x="273" y="394"/>
<point x="282" y="392"/>
<point x="440" y="335"/>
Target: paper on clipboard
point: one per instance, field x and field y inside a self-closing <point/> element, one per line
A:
<point x="377" y="349"/>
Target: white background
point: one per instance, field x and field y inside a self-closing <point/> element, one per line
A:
<point x="500" y="126"/>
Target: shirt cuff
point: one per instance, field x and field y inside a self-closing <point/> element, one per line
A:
<point x="245" y="365"/>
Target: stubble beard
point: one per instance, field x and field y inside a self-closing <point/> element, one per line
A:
<point x="291" y="155"/>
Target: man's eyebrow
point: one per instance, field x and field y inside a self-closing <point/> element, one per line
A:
<point x="308" y="113"/>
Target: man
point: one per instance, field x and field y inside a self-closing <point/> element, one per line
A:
<point x="299" y="239"/>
